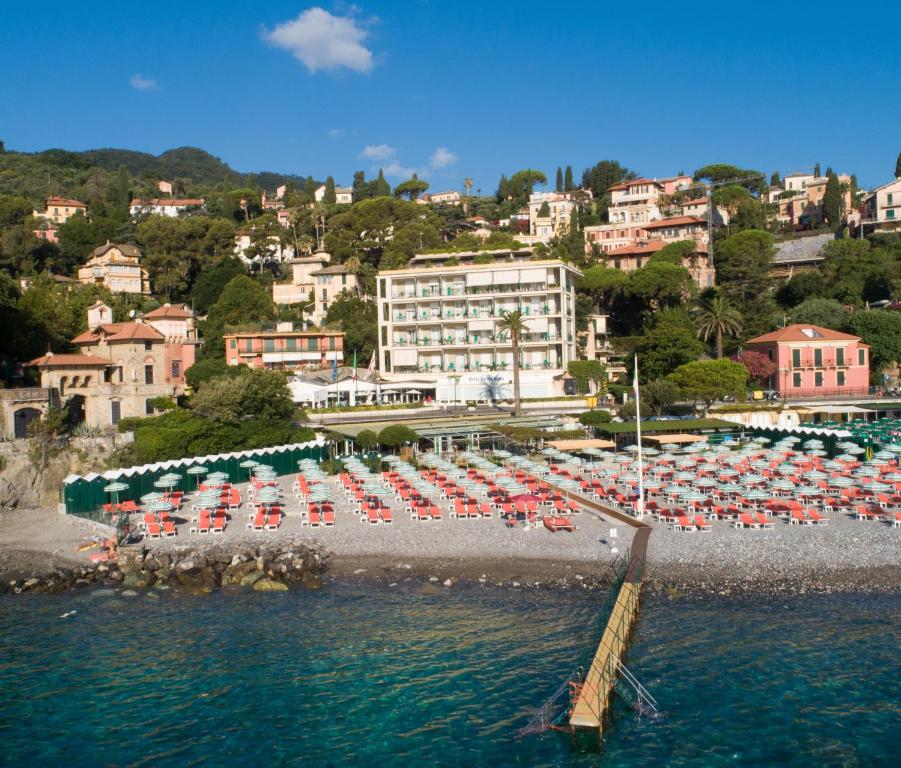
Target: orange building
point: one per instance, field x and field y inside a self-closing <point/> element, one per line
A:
<point x="285" y="349"/>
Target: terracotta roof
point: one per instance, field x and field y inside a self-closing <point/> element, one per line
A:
<point x="645" y="246"/>
<point x="64" y="201"/>
<point x="176" y="311"/>
<point x="119" y="332"/>
<point x="334" y="269"/>
<point x="674" y="221"/>
<point x="634" y="182"/>
<point x="698" y="201"/>
<point x="70" y="361"/>
<point x="796" y="332"/>
<point x="127" y="249"/>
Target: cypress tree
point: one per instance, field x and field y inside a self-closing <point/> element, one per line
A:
<point x="832" y="200"/>
<point x="381" y="188"/>
<point x="559" y="185"/>
<point x="775" y="180"/>
<point x="330" y="198"/>
<point x="816" y="171"/>
<point x="898" y="167"/>
<point x="568" y="179"/>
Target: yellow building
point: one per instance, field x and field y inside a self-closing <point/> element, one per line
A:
<point x="118" y="267"/>
<point x="60" y="209"/>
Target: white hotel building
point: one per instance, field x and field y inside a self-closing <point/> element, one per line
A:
<point x="439" y="324"/>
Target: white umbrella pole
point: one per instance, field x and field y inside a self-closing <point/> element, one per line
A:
<point x="638" y="441"/>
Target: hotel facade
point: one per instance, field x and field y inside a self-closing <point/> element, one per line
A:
<point x="442" y="323"/>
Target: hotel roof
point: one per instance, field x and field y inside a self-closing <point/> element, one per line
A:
<point x="119" y="332"/>
<point x="51" y="360"/>
<point x="802" y="332"/>
<point x="169" y="311"/>
<point x="675" y="221"/>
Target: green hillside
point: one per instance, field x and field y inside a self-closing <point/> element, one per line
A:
<point x="87" y="175"/>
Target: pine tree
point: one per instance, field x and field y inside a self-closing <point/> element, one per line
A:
<point x="361" y="190"/>
<point x="503" y="188"/>
<point x="832" y="200"/>
<point x="559" y="185"/>
<point x="330" y="198"/>
<point x="898" y="167"/>
<point x="568" y="179"/>
<point x="775" y="180"/>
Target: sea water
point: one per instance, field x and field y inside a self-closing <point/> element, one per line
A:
<point x="419" y="675"/>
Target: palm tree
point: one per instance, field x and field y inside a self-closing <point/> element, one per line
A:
<point x="716" y="316"/>
<point x="513" y="322"/>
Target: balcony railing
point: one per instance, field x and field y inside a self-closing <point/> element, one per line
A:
<point x="475" y="290"/>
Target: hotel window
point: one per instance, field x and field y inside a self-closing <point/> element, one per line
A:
<point x="148" y="346"/>
<point x="861" y="357"/>
<point x="176" y="369"/>
<point x="115" y="411"/>
<point x="840" y="378"/>
<point x="148" y="407"/>
<point x="796" y="358"/>
<point x="291" y="344"/>
<point x="331" y="343"/>
<point x="233" y="343"/>
<point x="148" y="374"/>
<point x="269" y="345"/>
<point x="248" y="345"/>
<point x="818" y="379"/>
<point x="840" y="356"/>
<point x="796" y="379"/>
<point x="890" y="213"/>
<point x="818" y="358"/>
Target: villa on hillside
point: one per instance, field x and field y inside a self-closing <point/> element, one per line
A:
<point x="171" y="207"/>
<point x="814" y="362"/>
<point x="118" y="267"/>
<point x="60" y="209"/>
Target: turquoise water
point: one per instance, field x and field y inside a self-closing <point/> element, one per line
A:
<point x="368" y="676"/>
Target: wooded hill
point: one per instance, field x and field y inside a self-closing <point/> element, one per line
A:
<point x="86" y="175"/>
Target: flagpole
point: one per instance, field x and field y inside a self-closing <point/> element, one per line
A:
<point x="638" y="439"/>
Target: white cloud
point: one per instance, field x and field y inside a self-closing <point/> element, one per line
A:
<point x="442" y="158"/>
<point x="140" y="83"/>
<point x="322" y="41"/>
<point x="395" y="169"/>
<point x="378" y="152"/>
<point x="335" y="133"/>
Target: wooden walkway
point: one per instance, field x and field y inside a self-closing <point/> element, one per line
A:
<point x="594" y="697"/>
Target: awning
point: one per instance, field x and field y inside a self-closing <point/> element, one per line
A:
<point x="679" y="438"/>
<point x="532" y="275"/>
<point x="833" y="409"/>
<point x="479" y="277"/>
<point x="405" y="357"/>
<point x="580" y="445"/>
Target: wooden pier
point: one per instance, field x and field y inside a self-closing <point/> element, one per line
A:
<point x="593" y="699"/>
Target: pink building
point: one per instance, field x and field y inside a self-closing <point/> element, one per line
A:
<point x="815" y="362"/>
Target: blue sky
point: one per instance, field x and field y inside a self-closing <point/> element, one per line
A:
<point x="459" y="89"/>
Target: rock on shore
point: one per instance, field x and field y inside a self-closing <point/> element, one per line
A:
<point x="268" y="567"/>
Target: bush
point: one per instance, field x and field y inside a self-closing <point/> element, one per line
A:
<point x="595" y="418"/>
<point x="396" y="435"/>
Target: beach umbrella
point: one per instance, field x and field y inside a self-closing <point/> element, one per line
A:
<point x="152" y="496"/>
<point x="879" y="486"/>
<point x="729" y="488"/>
<point x="815" y="474"/>
<point x="675" y="490"/>
<point x="728" y="472"/>
<point x="163" y="483"/>
<point x="756" y="494"/>
<point x="197" y="470"/>
<point x="705" y="482"/>
<point x="840" y="481"/>
<point x="808" y="490"/>
<point x="783" y="485"/>
<point x="115" y="487"/>
<point x="160" y="505"/>
<point x="694" y="496"/>
<point x="753" y="479"/>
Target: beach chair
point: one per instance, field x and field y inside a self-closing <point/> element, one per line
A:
<point x="169" y="529"/>
<point x="328" y="518"/>
<point x="485" y="510"/>
<point x="315" y="519"/>
<point x="817" y="518"/>
<point x="385" y="515"/>
<point x="702" y="524"/>
<point x="683" y="523"/>
<point x="423" y="513"/>
<point x="763" y="521"/>
<point x="435" y="512"/>
<point x="218" y="524"/>
<point x="896" y="520"/>
<point x="799" y="518"/>
<point x="372" y="517"/>
<point x="258" y="523"/>
<point x="154" y="531"/>
<point x="551" y="524"/>
<point x="273" y="522"/>
<point x="745" y="521"/>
